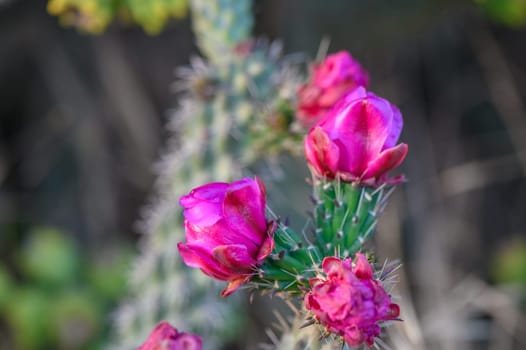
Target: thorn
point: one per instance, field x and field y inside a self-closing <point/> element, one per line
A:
<point x="281" y="254"/>
<point x="355" y="219"/>
<point x="308" y="323"/>
<point x="287" y="221"/>
<point x="300" y="278"/>
<point x="303" y="289"/>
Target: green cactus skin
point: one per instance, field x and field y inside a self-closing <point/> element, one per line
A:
<point x="346" y="215"/>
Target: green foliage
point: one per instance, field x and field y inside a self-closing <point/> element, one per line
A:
<point x="28" y="318"/>
<point x="107" y="275"/>
<point x="94" y="16"/>
<point x="6" y="288"/>
<point x="509" y="264"/>
<point x="49" y="258"/>
<point x="75" y="318"/>
<point x="509" y="12"/>
<point x="50" y="305"/>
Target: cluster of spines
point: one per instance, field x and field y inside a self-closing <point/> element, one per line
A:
<point x="346" y="215"/>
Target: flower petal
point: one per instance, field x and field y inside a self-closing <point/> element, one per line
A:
<point x="266" y="248"/>
<point x="202" y="206"/>
<point x="321" y="153"/>
<point x="219" y="233"/>
<point x="185" y="341"/>
<point x="196" y="256"/>
<point x="244" y="209"/>
<point x="233" y="286"/>
<point x="386" y="161"/>
<point x="163" y="332"/>
<point x="234" y="257"/>
<point x="362" y="268"/>
<point x="360" y="129"/>
<point x="332" y="266"/>
<point x="397" y="124"/>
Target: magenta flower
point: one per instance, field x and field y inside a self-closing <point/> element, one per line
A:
<point x="227" y="234"/>
<point x="349" y="302"/>
<point x="336" y="76"/>
<point x="166" y="337"/>
<point x="357" y="140"/>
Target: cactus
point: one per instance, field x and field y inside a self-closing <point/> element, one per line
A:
<point x="232" y="112"/>
<point x="294" y="335"/>
<point x="220" y="25"/>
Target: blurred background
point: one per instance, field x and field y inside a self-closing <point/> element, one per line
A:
<point x="83" y="105"/>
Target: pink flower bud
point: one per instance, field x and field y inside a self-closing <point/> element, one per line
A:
<point x="357" y="140"/>
<point x="166" y="337"/>
<point x="336" y="76"/>
<point x="227" y="234"/>
<point x="349" y="302"/>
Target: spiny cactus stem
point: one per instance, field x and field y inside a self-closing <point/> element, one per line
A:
<point x="346" y="215"/>
<point x="287" y="238"/>
<point x="286" y="262"/>
<point x="358" y="217"/>
<point x="273" y="273"/>
<point x="315" y="254"/>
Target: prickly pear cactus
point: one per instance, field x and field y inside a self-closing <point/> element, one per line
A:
<point x="231" y="113"/>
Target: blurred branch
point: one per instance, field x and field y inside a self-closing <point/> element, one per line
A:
<point x="503" y="90"/>
<point x="134" y="118"/>
<point x="478" y="174"/>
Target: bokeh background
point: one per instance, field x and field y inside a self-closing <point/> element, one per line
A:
<point x="82" y="122"/>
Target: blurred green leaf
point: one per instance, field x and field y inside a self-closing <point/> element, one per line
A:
<point x="108" y="274"/>
<point x="509" y="265"/>
<point x="6" y="287"/>
<point x="94" y="16"/>
<point x="49" y="257"/>
<point x="509" y="12"/>
<point x="75" y="319"/>
<point x="28" y="318"/>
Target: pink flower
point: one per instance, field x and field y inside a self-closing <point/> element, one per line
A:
<point x="357" y="140"/>
<point x="227" y="233"/>
<point x="336" y="76"/>
<point x="166" y="337"/>
<point x="349" y="302"/>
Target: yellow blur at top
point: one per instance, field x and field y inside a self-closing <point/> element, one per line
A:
<point x="94" y="16"/>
